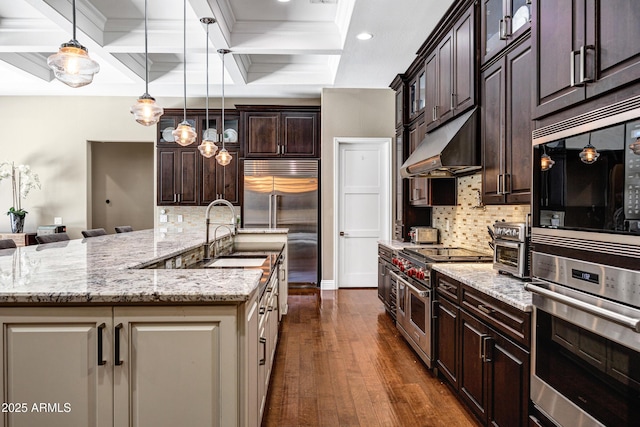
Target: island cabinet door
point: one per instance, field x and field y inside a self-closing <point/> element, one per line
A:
<point x="56" y="367"/>
<point x="176" y="366"/>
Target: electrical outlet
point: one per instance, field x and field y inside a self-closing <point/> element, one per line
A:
<point x="164" y="218"/>
<point x="179" y="218"/>
<point x="178" y="261"/>
<point x="446" y="226"/>
<point x="57" y="220"/>
<point x="168" y="264"/>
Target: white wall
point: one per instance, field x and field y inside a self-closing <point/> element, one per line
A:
<point x="348" y="113"/>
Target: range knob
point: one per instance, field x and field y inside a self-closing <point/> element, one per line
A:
<point x="412" y="272"/>
<point x="420" y="274"/>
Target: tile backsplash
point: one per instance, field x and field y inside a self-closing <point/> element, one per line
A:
<point x="468" y="220"/>
<point x="192" y="216"/>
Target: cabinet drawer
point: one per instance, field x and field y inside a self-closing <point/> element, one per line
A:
<point x="447" y="288"/>
<point x="512" y="322"/>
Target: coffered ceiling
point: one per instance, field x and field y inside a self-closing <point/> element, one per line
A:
<point x="279" y="49"/>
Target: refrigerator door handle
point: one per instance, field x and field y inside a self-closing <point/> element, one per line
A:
<point x="270" y="210"/>
<point x="275" y="211"/>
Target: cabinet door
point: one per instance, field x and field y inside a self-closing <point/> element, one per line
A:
<point x="208" y="184"/>
<point x="167" y="184"/>
<point x="399" y="107"/>
<point x="615" y="31"/>
<point x="262" y="133"/>
<point x="508" y="383"/>
<point x="493" y="131"/>
<point x="174" y="366"/>
<point x="228" y="178"/>
<point x="474" y="367"/>
<point x="444" y="109"/>
<point x="447" y="340"/>
<point x="492" y="28"/>
<point x="299" y="134"/>
<point x="187" y="173"/>
<point x="518" y="146"/>
<point x="558" y="32"/>
<point x="431" y="98"/>
<point x="52" y="356"/>
<point x="464" y="63"/>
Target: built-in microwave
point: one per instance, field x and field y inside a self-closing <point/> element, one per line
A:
<point x="586" y="183"/>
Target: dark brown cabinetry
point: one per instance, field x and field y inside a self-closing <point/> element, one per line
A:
<point x="417" y="94"/>
<point x="220" y="182"/>
<point x="502" y="22"/>
<point x="450" y="70"/>
<point x="506" y="127"/>
<point x="584" y="48"/>
<point x="482" y="351"/>
<point x="177" y="176"/>
<point x="277" y="132"/>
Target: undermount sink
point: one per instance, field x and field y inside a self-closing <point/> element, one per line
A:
<point x="236" y="261"/>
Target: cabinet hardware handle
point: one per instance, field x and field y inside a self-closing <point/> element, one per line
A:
<point x="278" y="150"/>
<point x="484" y="353"/>
<point x="270" y="308"/>
<point x="499" y="176"/>
<point x="434" y="309"/>
<point x="507" y="183"/>
<point x="481" y="347"/>
<point x="175" y="198"/>
<point x="486" y="310"/>
<point x="572" y="68"/>
<point x="501" y="29"/>
<point x="262" y="310"/>
<point x="263" y="360"/>
<point x="435" y="113"/>
<point x="101" y="329"/>
<point x="118" y="361"/>
<point x="453" y="100"/>
<point x="583" y="63"/>
<point x="508" y="26"/>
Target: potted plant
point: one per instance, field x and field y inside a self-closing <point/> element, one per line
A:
<point x="23" y="180"/>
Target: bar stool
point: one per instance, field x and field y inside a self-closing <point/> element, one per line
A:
<point x="124" y="229"/>
<point x="7" y="244"/>
<point x="52" y="238"/>
<point x="94" y="232"/>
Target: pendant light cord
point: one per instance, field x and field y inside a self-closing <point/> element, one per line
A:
<point x="146" y="52"/>
<point x="74" y="20"/>
<point x="184" y="60"/>
<point x="223" y="53"/>
<point x="207" y="54"/>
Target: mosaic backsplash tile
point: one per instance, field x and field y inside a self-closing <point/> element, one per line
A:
<point x="192" y="216"/>
<point x="468" y="220"/>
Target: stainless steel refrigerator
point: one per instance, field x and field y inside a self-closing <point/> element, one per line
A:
<point x="284" y="194"/>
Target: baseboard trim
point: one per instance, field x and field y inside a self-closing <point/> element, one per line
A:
<point x="328" y="285"/>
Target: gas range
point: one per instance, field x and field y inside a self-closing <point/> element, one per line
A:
<point x="415" y="262"/>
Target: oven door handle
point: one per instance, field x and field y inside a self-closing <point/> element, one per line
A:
<point x="629" y="322"/>
<point x="422" y="294"/>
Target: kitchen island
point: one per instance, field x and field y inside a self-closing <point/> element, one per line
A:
<point x="93" y="336"/>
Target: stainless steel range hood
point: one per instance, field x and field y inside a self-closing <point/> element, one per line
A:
<point x="450" y="150"/>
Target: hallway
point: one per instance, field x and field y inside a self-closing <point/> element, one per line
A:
<point x="341" y="362"/>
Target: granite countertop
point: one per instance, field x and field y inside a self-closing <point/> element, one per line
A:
<point x="396" y="245"/>
<point x="483" y="277"/>
<point x="106" y="270"/>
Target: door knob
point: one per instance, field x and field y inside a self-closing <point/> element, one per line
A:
<point x="342" y="233"/>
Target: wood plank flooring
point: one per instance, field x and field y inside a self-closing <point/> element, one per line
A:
<point x="341" y="362"/>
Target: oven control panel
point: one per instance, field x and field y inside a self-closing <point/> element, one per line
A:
<point x="614" y="283"/>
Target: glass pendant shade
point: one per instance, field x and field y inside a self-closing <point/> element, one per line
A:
<point x="184" y="134"/>
<point x="589" y="154"/>
<point x="146" y="111"/>
<point x="546" y="162"/>
<point x="72" y="65"/>
<point x="635" y="147"/>
<point x="223" y="157"/>
<point x="208" y="148"/>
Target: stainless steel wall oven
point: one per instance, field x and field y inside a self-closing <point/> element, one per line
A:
<point x="585" y="243"/>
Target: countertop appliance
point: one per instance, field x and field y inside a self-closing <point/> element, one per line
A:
<point x="423" y="235"/>
<point x="414" y="292"/>
<point x="284" y="194"/>
<point x="511" y="248"/>
<point x="585" y="247"/>
<point x="50" y="229"/>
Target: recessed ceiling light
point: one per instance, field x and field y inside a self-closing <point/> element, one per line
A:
<point x="284" y="1"/>
<point x="364" y="36"/>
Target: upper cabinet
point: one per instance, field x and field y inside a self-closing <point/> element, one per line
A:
<point x="584" y="48"/>
<point x="502" y="22"/>
<point x="506" y="127"/>
<point x="450" y="72"/>
<point x="281" y="132"/>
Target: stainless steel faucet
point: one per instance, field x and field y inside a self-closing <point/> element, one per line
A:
<point x="232" y="228"/>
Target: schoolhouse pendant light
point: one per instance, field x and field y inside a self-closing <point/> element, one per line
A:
<point x="589" y="154"/>
<point x="146" y="111"/>
<point x="208" y="147"/>
<point x="184" y="133"/>
<point x="223" y="157"/>
<point x="72" y="65"/>
<point x="546" y="162"/>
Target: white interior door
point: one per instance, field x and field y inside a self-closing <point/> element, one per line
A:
<point x="363" y="208"/>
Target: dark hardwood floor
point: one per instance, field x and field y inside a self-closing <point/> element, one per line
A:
<point x="341" y="362"/>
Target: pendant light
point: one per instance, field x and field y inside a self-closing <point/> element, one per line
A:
<point x="146" y="111"/>
<point x="589" y="154"/>
<point x="184" y="133"/>
<point x="546" y="162"/>
<point x="208" y="147"/>
<point x="223" y="157"/>
<point x="72" y="65"/>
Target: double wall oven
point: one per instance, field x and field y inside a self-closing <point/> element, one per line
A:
<point x="585" y="244"/>
<point x="414" y="292"/>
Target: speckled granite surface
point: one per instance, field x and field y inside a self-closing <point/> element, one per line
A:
<point x="484" y="278"/>
<point x="103" y="270"/>
<point x="397" y="245"/>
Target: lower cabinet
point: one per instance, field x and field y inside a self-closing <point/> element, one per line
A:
<point x="128" y="366"/>
<point x="483" y="363"/>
